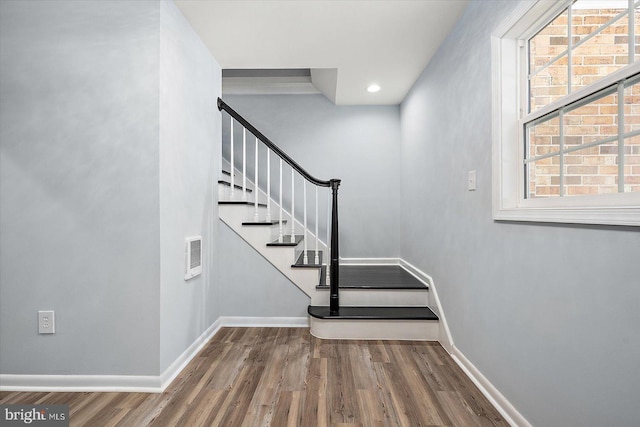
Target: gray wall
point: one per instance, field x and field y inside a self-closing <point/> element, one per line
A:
<point x="79" y="225"/>
<point x="358" y="144"/>
<point x="109" y="156"/>
<point x="190" y="83"/>
<point x="547" y="312"/>
<point x="252" y="287"/>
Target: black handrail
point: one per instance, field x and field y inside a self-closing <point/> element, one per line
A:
<point x="334" y="272"/>
<point x="224" y="106"/>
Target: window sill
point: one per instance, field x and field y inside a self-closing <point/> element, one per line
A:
<point x="619" y="215"/>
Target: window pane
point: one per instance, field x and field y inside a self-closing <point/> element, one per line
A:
<point x="632" y="164"/>
<point x="550" y="42"/>
<point x="549" y="84"/>
<point x="632" y="108"/>
<point x="592" y="122"/>
<point x="544" y="178"/>
<point x="637" y="31"/>
<point x="548" y="80"/>
<point x="543" y="138"/>
<point x="603" y="53"/>
<point x="593" y="170"/>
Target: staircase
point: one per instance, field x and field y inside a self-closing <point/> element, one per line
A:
<point x="291" y="219"/>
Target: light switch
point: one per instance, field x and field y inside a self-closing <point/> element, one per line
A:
<point x="472" y="181"/>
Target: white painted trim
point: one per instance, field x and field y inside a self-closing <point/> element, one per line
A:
<point x="138" y="383"/>
<point x="81" y="383"/>
<point x="293" y="85"/>
<point x="183" y="360"/>
<point x="497" y="399"/>
<point x="502" y="405"/>
<point x="445" y="337"/>
<point x="370" y="261"/>
<point x="508" y="202"/>
<point x="270" y="322"/>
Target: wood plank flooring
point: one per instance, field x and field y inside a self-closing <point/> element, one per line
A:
<point x="285" y="377"/>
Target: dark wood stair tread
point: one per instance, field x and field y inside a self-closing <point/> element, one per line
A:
<point x="287" y="241"/>
<point x="311" y="258"/>
<point x="373" y="313"/>
<point x="377" y="277"/>
<point x="240" y="202"/>
<point x="228" y="184"/>
<point x="263" y="222"/>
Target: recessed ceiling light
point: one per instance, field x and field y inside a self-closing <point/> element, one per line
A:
<point x="373" y="88"/>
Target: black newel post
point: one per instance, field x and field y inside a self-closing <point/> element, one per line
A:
<point x="334" y="277"/>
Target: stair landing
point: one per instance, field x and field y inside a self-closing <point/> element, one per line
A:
<point x="377" y="277"/>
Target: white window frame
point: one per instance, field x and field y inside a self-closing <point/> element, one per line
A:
<point x="509" y="90"/>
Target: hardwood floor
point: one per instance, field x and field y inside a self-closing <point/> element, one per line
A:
<point x="286" y="377"/>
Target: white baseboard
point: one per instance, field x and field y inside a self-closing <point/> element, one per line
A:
<point x="138" y="383"/>
<point x="504" y="407"/>
<point x="446" y="340"/>
<point x="81" y="383"/>
<point x="265" y="322"/>
<point x="369" y="261"/>
<point x="183" y="360"/>
<point x="157" y="384"/>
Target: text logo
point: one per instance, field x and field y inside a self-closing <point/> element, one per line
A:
<point x="34" y="415"/>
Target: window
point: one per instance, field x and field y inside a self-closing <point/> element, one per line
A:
<point x="566" y="110"/>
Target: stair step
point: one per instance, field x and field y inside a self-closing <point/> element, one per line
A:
<point x="373" y="313"/>
<point x="311" y="255"/>
<point x="240" y="202"/>
<point x="228" y="184"/>
<point x="377" y="277"/>
<point x="287" y="241"/>
<point x="273" y="222"/>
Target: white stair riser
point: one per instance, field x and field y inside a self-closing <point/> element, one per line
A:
<point x="247" y="213"/>
<point x="224" y="193"/>
<point x="349" y="329"/>
<point x="382" y="298"/>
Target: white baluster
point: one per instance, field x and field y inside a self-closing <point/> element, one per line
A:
<point x="244" y="164"/>
<point x="256" y="187"/>
<point x="293" y="207"/>
<point x="281" y="230"/>
<point x="231" y="169"/>
<point x="317" y="237"/>
<point x="305" y="258"/>
<point x="268" y="185"/>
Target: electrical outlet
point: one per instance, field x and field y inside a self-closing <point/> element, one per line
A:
<point x="471" y="181"/>
<point x="46" y="322"/>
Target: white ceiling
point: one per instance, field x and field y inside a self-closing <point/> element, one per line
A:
<point x="383" y="42"/>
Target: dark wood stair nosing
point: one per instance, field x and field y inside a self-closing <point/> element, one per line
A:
<point x="263" y="223"/>
<point x="228" y="184"/>
<point x="298" y="239"/>
<point x="378" y="287"/>
<point x="240" y="202"/>
<point x="373" y="313"/>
